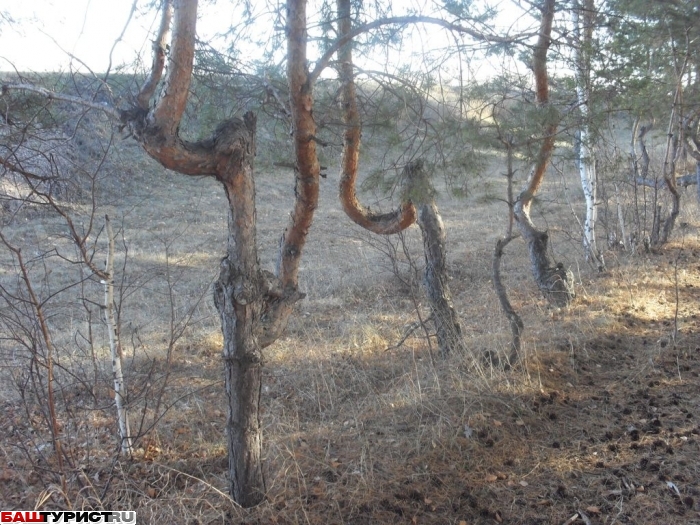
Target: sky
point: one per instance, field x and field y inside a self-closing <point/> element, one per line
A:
<point x="45" y="34"/>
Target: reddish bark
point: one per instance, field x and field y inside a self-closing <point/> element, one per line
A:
<point x="555" y="282"/>
<point x="253" y="305"/>
<point x="308" y="168"/>
<point x="381" y="223"/>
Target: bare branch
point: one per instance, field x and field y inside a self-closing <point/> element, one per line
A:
<point x="516" y="322"/>
<point x="52" y="95"/>
<point x="119" y="39"/>
<point x="15" y="168"/>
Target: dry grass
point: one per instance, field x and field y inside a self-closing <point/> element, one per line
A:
<point x="599" y="419"/>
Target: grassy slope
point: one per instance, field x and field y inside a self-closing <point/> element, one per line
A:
<point x="600" y="417"/>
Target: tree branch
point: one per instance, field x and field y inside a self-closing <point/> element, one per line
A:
<point x="173" y="96"/>
<point x="405" y="20"/>
<point x="51" y="95"/>
<point x="159" y="47"/>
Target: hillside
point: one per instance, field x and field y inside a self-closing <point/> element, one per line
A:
<point x="600" y="418"/>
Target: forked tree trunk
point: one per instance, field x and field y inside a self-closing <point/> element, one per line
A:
<point x="254" y="305"/>
<point x="672" y="142"/>
<point x="555" y="282"/>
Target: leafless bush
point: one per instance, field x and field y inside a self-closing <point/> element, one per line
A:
<point x="56" y="183"/>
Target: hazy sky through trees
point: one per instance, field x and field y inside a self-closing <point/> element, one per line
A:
<point x="45" y="34"/>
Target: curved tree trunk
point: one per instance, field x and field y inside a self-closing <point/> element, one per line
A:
<point x="516" y="323"/>
<point x="308" y="168"/>
<point x="555" y="282"/>
<point x="672" y="142"/>
<point x="381" y="223"/>
<point x="447" y="327"/>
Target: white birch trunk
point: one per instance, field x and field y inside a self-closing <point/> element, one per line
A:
<point x="621" y="219"/>
<point x="115" y="347"/>
<point x="586" y="160"/>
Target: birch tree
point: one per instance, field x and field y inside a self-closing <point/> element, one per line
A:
<point x="583" y="14"/>
<point x="120" y="395"/>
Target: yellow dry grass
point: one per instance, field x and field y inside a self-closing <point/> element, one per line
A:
<point x="599" y="418"/>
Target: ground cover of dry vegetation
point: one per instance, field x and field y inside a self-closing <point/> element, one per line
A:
<point x="601" y="418"/>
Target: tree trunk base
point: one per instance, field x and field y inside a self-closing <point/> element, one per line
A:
<point x="516" y="323"/>
<point x="553" y="280"/>
<point x="447" y="326"/>
<point x="239" y="300"/>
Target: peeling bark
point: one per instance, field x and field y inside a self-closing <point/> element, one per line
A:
<point x="380" y="223"/>
<point x="555" y="282"/>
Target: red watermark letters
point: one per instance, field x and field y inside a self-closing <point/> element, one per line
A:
<point x="40" y="516"/>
